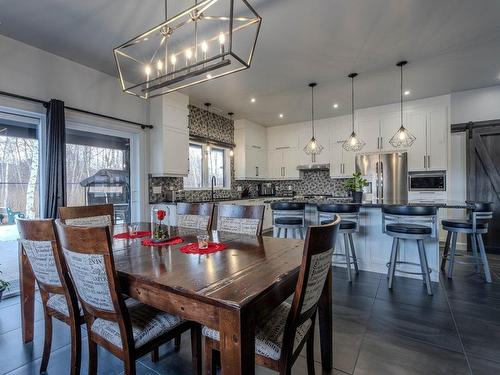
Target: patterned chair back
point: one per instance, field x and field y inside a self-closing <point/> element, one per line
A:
<point x="88" y="255"/>
<point x="195" y="215"/>
<point x="90" y="216"/>
<point x="38" y="242"/>
<point x="316" y="262"/>
<point x="240" y="219"/>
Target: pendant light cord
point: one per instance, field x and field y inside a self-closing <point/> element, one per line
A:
<point x="352" y="101"/>
<point x="312" y="109"/>
<point x="401" y="94"/>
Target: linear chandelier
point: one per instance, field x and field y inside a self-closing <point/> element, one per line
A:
<point x="211" y="39"/>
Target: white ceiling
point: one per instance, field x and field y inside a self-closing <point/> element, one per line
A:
<point x="451" y="45"/>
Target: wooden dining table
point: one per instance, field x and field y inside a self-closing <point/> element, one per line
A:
<point x="230" y="290"/>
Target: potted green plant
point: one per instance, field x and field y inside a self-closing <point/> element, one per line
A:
<point x="355" y="185"/>
<point x="3" y="285"/>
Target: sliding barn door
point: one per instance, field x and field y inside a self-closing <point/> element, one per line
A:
<point x="483" y="177"/>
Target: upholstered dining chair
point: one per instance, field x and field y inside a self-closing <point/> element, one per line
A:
<point x="240" y="219"/>
<point x="279" y="339"/>
<point x="95" y="215"/>
<point x="195" y="215"/>
<point x="127" y="328"/>
<point x="37" y="241"/>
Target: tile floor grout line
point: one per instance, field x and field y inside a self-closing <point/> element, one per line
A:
<point x="455" y="322"/>
<point x="366" y="327"/>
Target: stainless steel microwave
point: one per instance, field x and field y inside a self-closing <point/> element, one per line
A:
<point x="427" y="181"/>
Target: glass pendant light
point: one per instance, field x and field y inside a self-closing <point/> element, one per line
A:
<point x="402" y="138"/>
<point x="353" y="143"/>
<point x="231" y="152"/>
<point x="313" y="147"/>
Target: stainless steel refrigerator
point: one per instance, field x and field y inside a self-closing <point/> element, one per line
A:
<point x="387" y="175"/>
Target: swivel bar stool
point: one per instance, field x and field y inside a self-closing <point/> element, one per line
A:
<point x="403" y="226"/>
<point x="349" y="224"/>
<point x="477" y="224"/>
<point x="289" y="215"/>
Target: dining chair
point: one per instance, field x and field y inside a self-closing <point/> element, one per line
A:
<point x="240" y="219"/>
<point x="195" y="215"/>
<point x="127" y="328"/>
<point x="37" y="241"/>
<point x="279" y="339"/>
<point x="95" y="215"/>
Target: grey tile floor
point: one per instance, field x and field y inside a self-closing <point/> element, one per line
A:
<point x="377" y="331"/>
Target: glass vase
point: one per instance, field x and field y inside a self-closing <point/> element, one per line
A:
<point x="160" y="223"/>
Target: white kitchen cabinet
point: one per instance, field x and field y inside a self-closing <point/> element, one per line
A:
<point x="169" y="139"/>
<point x="282" y="163"/>
<point x="437" y="139"/>
<point x="416" y="123"/>
<point x="389" y="125"/>
<point x="250" y="153"/>
<point x="341" y="161"/>
<point x="368" y="129"/>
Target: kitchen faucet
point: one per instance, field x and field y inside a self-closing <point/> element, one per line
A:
<point x="213" y="183"/>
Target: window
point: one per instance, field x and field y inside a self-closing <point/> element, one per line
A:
<point x="97" y="171"/>
<point x="203" y="165"/>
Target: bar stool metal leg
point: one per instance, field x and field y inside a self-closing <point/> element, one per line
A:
<point x="353" y="250"/>
<point x="301" y="234"/>
<point x="347" y="257"/>
<point x="446" y="251"/>
<point x="453" y="249"/>
<point x="425" y="266"/>
<point x="473" y="241"/>
<point x="279" y="232"/>
<point x="286" y="232"/>
<point x="482" y="250"/>
<point x="392" y="265"/>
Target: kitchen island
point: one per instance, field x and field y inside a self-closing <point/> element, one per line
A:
<point x="373" y="247"/>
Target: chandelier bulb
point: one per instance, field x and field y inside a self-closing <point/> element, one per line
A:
<point x="189" y="53"/>
<point x="204" y="46"/>
<point x="222" y="38"/>
<point x="173" y="59"/>
<point x="159" y="65"/>
<point x="147" y="70"/>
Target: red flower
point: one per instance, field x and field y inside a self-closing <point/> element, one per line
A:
<point x="160" y="214"/>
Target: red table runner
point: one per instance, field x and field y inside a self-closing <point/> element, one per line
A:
<point x="213" y="247"/>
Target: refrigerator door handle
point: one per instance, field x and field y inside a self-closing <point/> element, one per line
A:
<point x="382" y="180"/>
<point x="376" y="179"/>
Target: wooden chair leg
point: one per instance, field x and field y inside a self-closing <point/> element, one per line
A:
<point x="76" y="348"/>
<point x="310" y="351"/>
<point x="210" y="362"/>
<point x="47" y="343"/>
<point x="155" y="355"/>
<point x="196" y="349"/>
<point x="129" y="365"/>
<point x="177" y="343"/>
<point x="92" y="357"/>
<point x="445" y="251"/>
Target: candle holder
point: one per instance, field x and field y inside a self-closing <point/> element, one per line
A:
<point x="160" y="223"/>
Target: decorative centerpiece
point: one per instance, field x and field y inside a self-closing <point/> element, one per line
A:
<point x="160" y="224"/>
<point x="355" y="185"/>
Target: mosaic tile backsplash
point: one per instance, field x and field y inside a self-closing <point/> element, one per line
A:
<point x="222" y="129"/>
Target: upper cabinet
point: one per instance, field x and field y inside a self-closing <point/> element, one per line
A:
<point x="169" y="139"/>
<point x="437" y="139"/>
<point x="341" y="161"/>
<point x="283" y="151"/>
<point x="250" y="153"/>
<point x="322" y="133"/>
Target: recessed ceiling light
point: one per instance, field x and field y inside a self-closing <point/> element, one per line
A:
<point x="252" y="100"/>
<point x="407" y="92"/>
<point x="281" y="115"/>
<point x="335" y="105"/>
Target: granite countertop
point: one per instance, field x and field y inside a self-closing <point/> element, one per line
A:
<point x="377" y="204"/>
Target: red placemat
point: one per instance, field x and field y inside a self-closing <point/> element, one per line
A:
<point x="172" y="241"/>
<point x="126" y="235"/>
<point x="213" y="247"/>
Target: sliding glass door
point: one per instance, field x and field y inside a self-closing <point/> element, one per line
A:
<point x="19" y="187"/>
<point x="98" y="171"/>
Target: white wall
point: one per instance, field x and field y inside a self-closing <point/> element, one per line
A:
<point x="475" y="105"/>
<point x="29" y="71"/>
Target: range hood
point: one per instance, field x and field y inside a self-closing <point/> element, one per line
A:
<point x="314" y="167"/>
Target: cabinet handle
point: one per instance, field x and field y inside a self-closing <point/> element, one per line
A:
<point x="284" y="171"/>
<point x="381" y="143"/>
<point x="425" y="161"/>
<point x="256" y="171"/>
<point x="428" y="161"/>
<point x="257" y="147"/>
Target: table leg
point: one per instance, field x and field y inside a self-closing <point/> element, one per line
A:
<point x="27" y="287"/>
<point x="237" y="342"/>
<point x="326" y="323"/>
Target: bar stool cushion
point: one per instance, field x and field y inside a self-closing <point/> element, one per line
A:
<point x="463" y="224"/>
<point x="285" y="220"/>
<point x="344" y="224"/>
<point x="269" y="335"/>
<point x="405" y="228"/>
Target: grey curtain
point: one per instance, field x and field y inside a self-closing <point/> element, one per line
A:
<point x="54" y="189"/>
